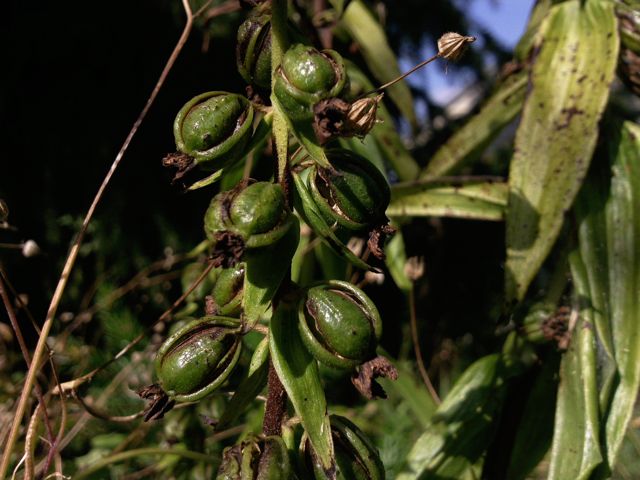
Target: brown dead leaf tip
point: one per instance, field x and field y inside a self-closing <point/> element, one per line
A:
<point x="335" y="117"/>
<point x="556" y="327"/>
<point x="330" y="118"/>
<point x="377" y="237"/>
<point x="364" y="378"/>
<point x="158" y="402"/>
<point x="210" y="306"/>
<point x="228" y="249"/>
<point x="181" y="162"/>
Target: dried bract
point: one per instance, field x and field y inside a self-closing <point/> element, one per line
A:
<point x="453" y="45"/>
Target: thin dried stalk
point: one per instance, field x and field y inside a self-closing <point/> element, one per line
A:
<point x="73" y="253"/>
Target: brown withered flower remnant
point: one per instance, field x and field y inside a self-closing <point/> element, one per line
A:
<point x="452" y="46"/>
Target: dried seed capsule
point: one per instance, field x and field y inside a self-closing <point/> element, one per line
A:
<point x="305" y="77"/>
<point x="259" y="458"/>
<point x="356" y="457"/>
<point x="339" y="324"/>
<point x="253" y="51"/>
<point x="452" y="45"/>
<point x="214" y="128"/>
<point x="198" y="358"/>
<point x="355" y="194"/>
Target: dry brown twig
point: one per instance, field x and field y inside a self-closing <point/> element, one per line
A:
<point x="73" y="252"/>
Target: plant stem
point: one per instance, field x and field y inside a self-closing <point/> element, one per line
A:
<point x="417" y="350"/>
<point x="119" y="457"/>
<point x="275" y="407"/>
<point x="75" y="248"/>
<point x="13" y="319"/>
<point x="404" y="75"/>
<point x="276" y="397"/>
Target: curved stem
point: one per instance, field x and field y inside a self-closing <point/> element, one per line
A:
<point x="404" y="75"/>
<point x="119" y="457"/>
<point x="75" y="248"/>
<point x="417" y="350"/>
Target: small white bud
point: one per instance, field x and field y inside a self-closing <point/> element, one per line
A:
<point x="30" y="249"/>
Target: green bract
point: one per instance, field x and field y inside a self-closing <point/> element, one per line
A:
<point x="198" y="358"/>
<point x="253" y="51"/>
<point x="355" y="194"/>
<point x="356" y="457"/>
<point x="257" y="458"/>
<point x="214" y="128"/>
<point x="305" y="77"/>
<point x="227" y="292"/>
<point x="339" y="324"/>
<point x="257" y="213"/>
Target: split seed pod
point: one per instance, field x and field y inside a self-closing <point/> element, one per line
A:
<point x="355" y="194"/>
<point x="214" y="128"/>
<point x="259" y="458"/>
<point x="256" y="215"/>
<point x="356" y="457"/>
<point x="198" y="358"/>
<point x="253" y="51"/>
<point x="339" y="324"/>
<point x="305" y="77"/>
<point x="452" y="46"/>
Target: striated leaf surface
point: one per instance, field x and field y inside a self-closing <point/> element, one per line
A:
<point x="473" y="200"/>
<point x="463" y="424"/>
<point x="575" y="64"/>
<point x="608" y="211"/>
<point x="298" y="372"/>
<point x="263" y="276"/>
<point x="249" y="388"/>
<point x="575" y="451"/>
<point x="467" y="144"/>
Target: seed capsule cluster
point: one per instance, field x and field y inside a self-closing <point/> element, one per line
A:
<point x="252" y="229"/>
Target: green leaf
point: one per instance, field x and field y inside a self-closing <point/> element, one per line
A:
<point x="449" y="198"/>
<point x="304" y="134"/>
<point x="575" y="451"/>
<point x="251" y="386"/>
<point x="396" y="259"/>
<point x="315" y="220"/>
<point x="539" y="12"/>
<point x="578" y="49"/>
<point x="263" y="275"/>
<point x="298" y="372"/>
<point x="411" y="390"/>
<point x="535" y="429"/>
<point x="365" y="29"/>
<point x="384" y="133"/>
<point x="463" y="425"/>
<point x="608" y="210"/>
<point x="467" y="144"/>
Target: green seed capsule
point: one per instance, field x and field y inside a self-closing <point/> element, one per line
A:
<point x="227" y="292"/>
<point x="356" y="457"/>
<point x="198" y="358"/>
<point x="355" y="194"/>
<point x="214" y="128"/>
<point x="307" y="76"/>
<point x="339" y="324"/>
<point x="253" y="51"/>
<point x="256" y="213"/>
